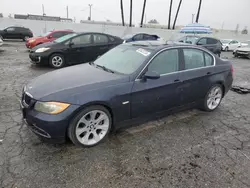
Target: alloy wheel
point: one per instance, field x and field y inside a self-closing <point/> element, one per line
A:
<point x="57" y="61"/>
<point x="92" y="127"/>
<point x="214" y="97"/>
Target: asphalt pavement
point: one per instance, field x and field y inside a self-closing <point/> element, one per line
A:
<point x="187" y="149"/>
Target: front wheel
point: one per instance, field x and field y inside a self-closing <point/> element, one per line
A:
<point x="57" y="61"/>
<point x="90" y="127"/>
<point x="213" y="98"/>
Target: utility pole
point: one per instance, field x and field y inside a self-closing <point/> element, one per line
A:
<point x="143" y="12"/>
<point x="122" y="13"/>
<point x="198" y="13"/>
<point x="169" y="17"/>
<point x="43" y="10"/>
<point x="193" y="18"/>
<point x="177" y="13"/>
<point x="67" y="9"/>
<point x="131" y="8"/>
<point x="90" y="7"/>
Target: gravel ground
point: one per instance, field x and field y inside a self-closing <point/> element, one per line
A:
<point x="188" y="149"/>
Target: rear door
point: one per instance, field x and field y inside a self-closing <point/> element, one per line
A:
<point x="81" y="49"/>
<point x="101" y="44"/>
<point x="151" y="96"/>
<point x="198" y="69"/>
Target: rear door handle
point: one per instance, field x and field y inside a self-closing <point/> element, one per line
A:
<point x="208" y="73"/>
<point x="177" y="80"/>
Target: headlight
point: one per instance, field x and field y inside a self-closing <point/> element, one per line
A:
<point x="39" y="50"/>
<point x="32" y="40"/>
<point x="124" y="41"/>
<point x="51" y="107"/>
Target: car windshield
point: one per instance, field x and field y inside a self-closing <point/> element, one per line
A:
<point x="46" y="34"/>
<point x="65" y="37"/>
<point x="123" y="59"/>
<point x="225" y="41"/>
<point x="127" y="37"/>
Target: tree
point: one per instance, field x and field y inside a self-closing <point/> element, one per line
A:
<point x="143" y="11"/>
<point x="122" y="13"/>
<point x="198" y="13"/>
<point x="177" y="13"/>
<point x="170" y="10"/>
<point x="153" y="21"/>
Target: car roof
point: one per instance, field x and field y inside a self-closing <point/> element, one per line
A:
<point x="158" y="45"/>
<point x="65" y="30"/>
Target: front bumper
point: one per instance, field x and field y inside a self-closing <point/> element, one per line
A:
<point x="38" y="58"/>
<point x="49" y="127"/>
<point x="241" y="53"/>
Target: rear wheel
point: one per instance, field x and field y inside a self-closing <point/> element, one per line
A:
<point x="57" y="61"/>
<point x="213" y="98"/>
<point x="90" y="127"/>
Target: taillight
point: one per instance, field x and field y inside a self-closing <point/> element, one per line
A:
<point x="232" y="69"/>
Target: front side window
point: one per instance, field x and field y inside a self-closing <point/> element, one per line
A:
<point x="202" y="41"/>
<point x="82" y="39"/>
<point x="193" y="58"/>
<point x="138" y="37"/>
<point x="57" y="35"/>
<point x="166" y="62"/>
<point x="99" y="39"/>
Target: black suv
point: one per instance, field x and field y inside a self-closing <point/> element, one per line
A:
<point x="16" y="33"/>
<point x="212" y="44"/>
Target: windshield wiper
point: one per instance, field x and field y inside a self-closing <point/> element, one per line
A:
<point x="102" y="67"/>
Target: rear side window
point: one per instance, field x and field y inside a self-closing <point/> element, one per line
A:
<point x="149" y="37"/>
<point x="100" y="39"/>
<point x="202" y="41"/>
<point x="138" y="37"/>
<point x="58" y="34"/>
<point x="165" y="62"/>
<point x="212" y="41"/>
<point x="193" y="58"/>
<point x="208" y="59"/>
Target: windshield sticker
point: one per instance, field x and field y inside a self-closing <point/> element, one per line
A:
<point x="143" y="52"/>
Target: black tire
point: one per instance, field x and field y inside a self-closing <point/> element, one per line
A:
<point x="73" y="125"/>
<point x="58" y="65"/>
<point x="226" y="49"/>
<point x="205" y="106"/>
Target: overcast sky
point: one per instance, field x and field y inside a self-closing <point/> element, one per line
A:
<point x="213" y="12"/>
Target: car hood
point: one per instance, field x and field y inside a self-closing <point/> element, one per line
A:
<point x="72" y="80"/>
<point x="247" y="49"/>
<point x="44" y="45"/>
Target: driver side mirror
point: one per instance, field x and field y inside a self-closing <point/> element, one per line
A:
<point x="188" y="42"/>
<point x="153" y="75"/>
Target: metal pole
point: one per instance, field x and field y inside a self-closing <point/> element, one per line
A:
<point x="177" y="13"/>
<point x="193" y="18"/>
<point x="131" y="8"/>
<point x="169" y="17"/>
<point x="90" y="7"/>
<point x="43" y="10"/>
<point x="198" y="13"/>
<point x="67" y="11"/>
<point x="122" y="13"/>
<point x="143" y="12"/>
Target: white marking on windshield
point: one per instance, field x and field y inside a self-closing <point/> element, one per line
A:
<point x="143" y="52"/>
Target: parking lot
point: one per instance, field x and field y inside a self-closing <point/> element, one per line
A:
<point x="188" y="149"/>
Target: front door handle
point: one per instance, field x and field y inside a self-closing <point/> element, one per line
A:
<point x="177" y="80"/>
<point x="208" y="73"/>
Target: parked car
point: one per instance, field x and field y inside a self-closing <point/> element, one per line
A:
<point x="212" y="44"/>
<point x="140" y="37"/>
<point x="243" y="51"/>
<point x="73" y="49"/>
<point x="16" y="33"/>
<point x="47" y="37"/>
<point x="128" y="83"/>
<point x="1" y="42"/>
<point x="230" y="44"/>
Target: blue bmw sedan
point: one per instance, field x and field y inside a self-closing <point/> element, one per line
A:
<point x="128" y="83"/>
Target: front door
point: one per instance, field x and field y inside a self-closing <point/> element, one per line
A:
<point x="199" y="67"/>
<point x="150" y="96"/>
<point x="81" y="49"/>
<point x="11" y="33"/>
